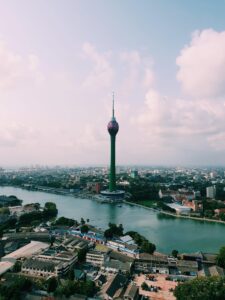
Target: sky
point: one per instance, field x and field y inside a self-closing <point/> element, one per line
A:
<point x="60" y="61"/>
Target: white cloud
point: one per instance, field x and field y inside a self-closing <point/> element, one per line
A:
<point x="149" y="77"/>
<point x="15" y="69"/>
<point x="202" y="64"/>
<point x="101" y="74"/>
<point x="14" y="134"/>
<point x="164" y="120"/>
<point x="138" y="71"/>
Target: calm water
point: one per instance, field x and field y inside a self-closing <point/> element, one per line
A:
<point x="166" y="232"/>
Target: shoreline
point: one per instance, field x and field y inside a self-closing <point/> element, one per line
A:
<point x="175" y="215"/>
<point x="91" y="197"/>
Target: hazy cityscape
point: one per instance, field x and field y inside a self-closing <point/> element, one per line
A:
<point x="112" y="170"/>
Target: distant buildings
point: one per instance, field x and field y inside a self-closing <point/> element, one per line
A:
<point x="211" y="192"/>
<point x="134" y="174"/>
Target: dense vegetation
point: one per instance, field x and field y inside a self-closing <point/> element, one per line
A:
<point x="143" y="189"/>
<point x="14" y="290"/>
<point x="113" y="230"/>
<point x="65" y="222"/>
<point x="70" y="288"/>
<point x="50" y="211"/>
<point x="142" y="242"/>
<point x="12" y="201"/>
<point x="221" y="257"/>
<point x="207" y="288"/>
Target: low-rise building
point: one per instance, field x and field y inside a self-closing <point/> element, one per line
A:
<point x="186" y="267"/>
<point x="123" y="247"/>
<point x="219" y="211"/>
<point x="96" y="258"/>
<point x="53" y="254"/>
<point x="20" y="209"/>
<point x="131" y="293"/>
<point x="127" y="239"/>
<point x="44" y="268"/>
<point x="114" y="288"/>
<point x="211" y="271"/>
<point x="148" y="263"/>
<point x="115" y="266"/>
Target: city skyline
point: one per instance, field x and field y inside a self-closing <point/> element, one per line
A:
<point x="59" y="63"/>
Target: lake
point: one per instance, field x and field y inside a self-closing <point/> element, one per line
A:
<point x="166" y="232"/>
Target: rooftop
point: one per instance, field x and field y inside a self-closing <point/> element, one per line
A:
<point x="5" y="266"/>
<point x="32" y="248"/>
<point x="40" y="264"/>
<point x="131" y="291"/>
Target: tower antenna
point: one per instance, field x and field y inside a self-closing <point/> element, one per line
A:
<point x="113" y="111"/>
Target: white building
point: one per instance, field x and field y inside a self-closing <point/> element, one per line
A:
<point x="180" y="209"/>
<point x="96" y="258"/>
<point x="211" y="192"/>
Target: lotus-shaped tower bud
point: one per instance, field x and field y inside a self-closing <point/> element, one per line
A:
<point x="113" y="127"/>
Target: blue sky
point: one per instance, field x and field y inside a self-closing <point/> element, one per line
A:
<point x="61" y="60"/>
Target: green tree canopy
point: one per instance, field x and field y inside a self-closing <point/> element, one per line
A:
<point x="175" y="253"/>
<point x="142" y="242"/>
<point x="65" y="221"/>
<point x="84" y="228"/>
<point x="221" y="257"/>
<point x="113" y="230"/>
<point x="203" y="288"/>
<point x="52" y="284"/>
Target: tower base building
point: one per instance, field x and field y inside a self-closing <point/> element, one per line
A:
<point x="112" y="197"/>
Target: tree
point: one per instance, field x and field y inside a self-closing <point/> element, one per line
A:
<point x="65" y="221"/>
<point x="148" y="247"/>
<point x="52" y="284"/>
<point x="14" y="290"/>
<point x="88" y="288"/>
<point x="17" y="267"/>
<point x="206" y="288"/>
<point x="81" y="255"/>
<point x="113" y="230"/>
<point x="221" y="257"/>
<point x="175" y="253"/>
<point x="142" y="242"/>
<point x="52" y="240"/>
<point x="69" y="288"/>
<point x="71" y="275"/>
<point x="144" y="286"/>
<point x="50" y="210"/>
<point x="84" y="229"/>
<point x="222" y="216"/>
<point x="108" y="233"/>
<point x="82" y="221"/>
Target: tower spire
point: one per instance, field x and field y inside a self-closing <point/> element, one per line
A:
<point x="113" y="111"/>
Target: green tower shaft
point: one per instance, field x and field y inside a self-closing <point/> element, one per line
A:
<point x="112" y="175"/>
<point x="113" y="128"/>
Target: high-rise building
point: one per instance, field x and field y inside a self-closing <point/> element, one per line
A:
<point x="211" y="192"/>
